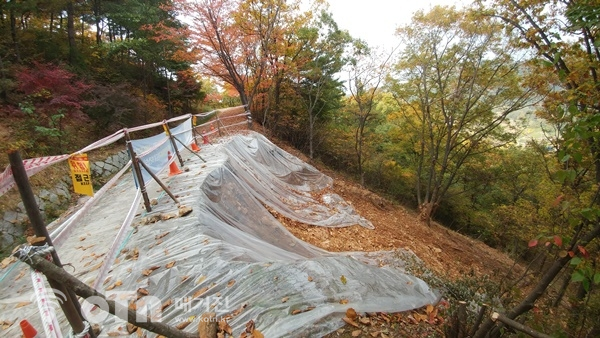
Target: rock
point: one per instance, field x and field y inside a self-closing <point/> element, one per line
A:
<point x="10" y="216"/>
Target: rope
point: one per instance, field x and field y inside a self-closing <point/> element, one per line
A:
<point x="26" y="252"/>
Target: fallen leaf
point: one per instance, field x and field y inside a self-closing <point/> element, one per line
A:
<point x="200" y="292"/>
<point x="364" y="320"/>
<point x="166" y="304"/>
<point x="343" y="301"/>
<point x="257" y="334"/>
<point x="5" y="324"/>
<point x="33" y="240"/>
<point x="350" y="321"/>
<point x="184" y="211"/>
<point x="250" y="326"/>
<point x="21" y="304"/>
<point x="375" y="334"/>
<point x="170" y="264"/>
<point x="131" y="328"/>
<point x="183" y="324"/>
<point x="161" y="235"/>
<point x="200" y="279"/>
<point x="147" y="272"/>
<point x="310" y="279"/>
<point x="343" y="279"/>
<point x="230" y="284"/>
<point x="351" y="313"/>
<point x="7" y="261"/>
<point x="143" y="292"/>
<point x="295" y="312"/>
<point x="558" y="240"/>
<point x="356" y="333"/>
<point x="284" y="299"/>
<point x="533" y="243"/>
<point x="224" y="326"/>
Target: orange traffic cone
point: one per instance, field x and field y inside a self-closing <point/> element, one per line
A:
<point x="173" y="169"/>
<point x="205" y="138"/>
<point x="194" y="147"/>
<point x="28" y="330"/>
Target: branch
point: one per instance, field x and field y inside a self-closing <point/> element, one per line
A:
<point x="518" y="326"/>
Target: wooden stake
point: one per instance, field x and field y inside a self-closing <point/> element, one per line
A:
<point x="71" y="306"/>
<point x="518" y="326"/>
<point x="138" y="173"/>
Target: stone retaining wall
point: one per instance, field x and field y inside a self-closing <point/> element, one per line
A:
<point x="12" y="222"/>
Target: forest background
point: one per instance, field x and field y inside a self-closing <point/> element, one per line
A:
<point x="438" y="124"/>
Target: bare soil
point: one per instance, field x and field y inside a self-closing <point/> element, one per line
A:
<point x="446" y="253"/>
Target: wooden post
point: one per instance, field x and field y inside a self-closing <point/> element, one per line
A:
<point x="168" y="131"/>
<point x="194" y="133"/>
<point x="190" y="150"/>
<point x="70" y="306"/>
<point x="52" y="272"/>
<point x="518" y="326"/>
<point x="138" y="172"/>
<point x="478" y="320"/>
<point x="157" y="180"/>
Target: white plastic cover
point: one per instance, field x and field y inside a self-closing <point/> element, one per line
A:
<point x="230" y="255"/>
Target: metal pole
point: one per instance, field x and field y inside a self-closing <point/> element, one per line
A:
<point x="138" y="172"/>
<point x="168" y="131"/>
<point x="157" y="180"/>
<point x="71" y="306"/>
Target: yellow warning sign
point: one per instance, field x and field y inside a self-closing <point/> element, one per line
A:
<point x="80" y="174"/>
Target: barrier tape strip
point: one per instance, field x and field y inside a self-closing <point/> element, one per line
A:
<point x="112" y="252"/>
<point x="47" y="312"/>
<point x="32" y="166"/>
<point x="62" y="233"/>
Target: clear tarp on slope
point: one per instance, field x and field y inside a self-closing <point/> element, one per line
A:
<point x="234" y="253"/>
<point x="284" y="183"/>
<point x="231" y="256"/>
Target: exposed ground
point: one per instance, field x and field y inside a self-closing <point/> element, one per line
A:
<point x="448" y="254"/>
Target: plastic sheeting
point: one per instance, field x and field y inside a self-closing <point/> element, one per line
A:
<point x="154" y="151"/>
<point x="230" y="255"/>
<point x="234" y="254"/>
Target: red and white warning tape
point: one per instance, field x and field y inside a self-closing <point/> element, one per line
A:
<point x="47" y="312"/>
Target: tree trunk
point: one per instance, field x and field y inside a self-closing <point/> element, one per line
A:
<point x="529" y="301"/>
<point x="71" y="32"/>
<point x="98" y="19"/>
<point x="13" y="35"/>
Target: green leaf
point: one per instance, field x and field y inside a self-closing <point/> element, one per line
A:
<point x="578" y="276"/>
<point x="597" y="278"/>
<point x="575" y="260"/>
<point x="586" y="284"/>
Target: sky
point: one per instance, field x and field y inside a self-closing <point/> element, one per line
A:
<point x="375" y="21"/>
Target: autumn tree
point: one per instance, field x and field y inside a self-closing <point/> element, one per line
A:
<point x="366" y="69"/>
<point x="563" y="39"/>
<point x="247" y="44"/>
<point x="456" y="83"/>
<point x="319" y="61"/>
